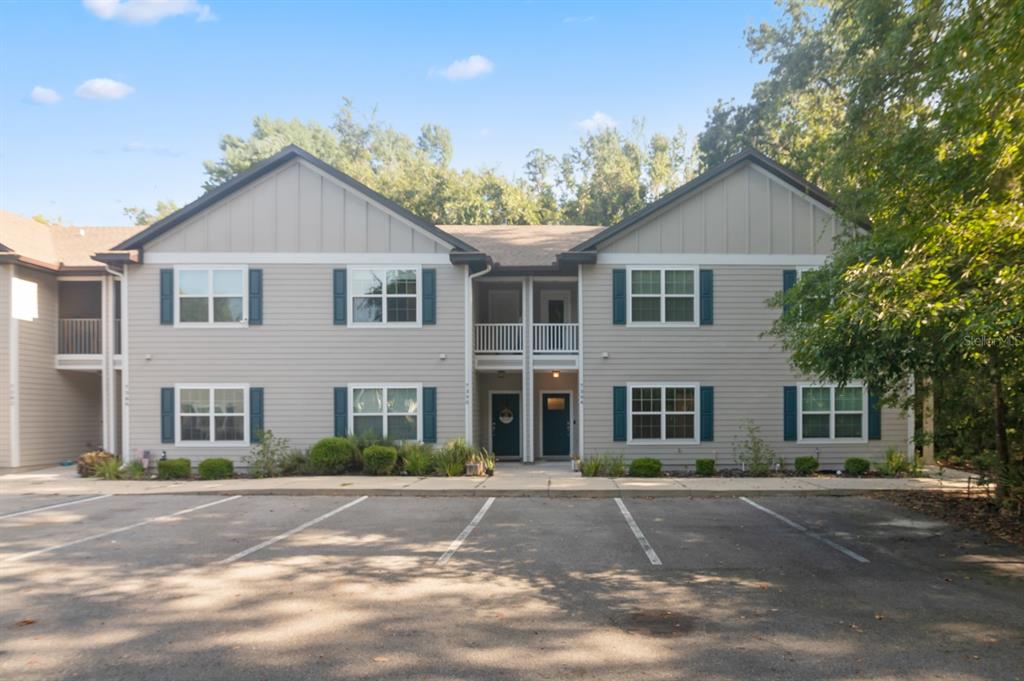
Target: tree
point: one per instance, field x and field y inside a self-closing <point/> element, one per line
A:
<point x="912" y="115"/>
<point x="141" y="216"/>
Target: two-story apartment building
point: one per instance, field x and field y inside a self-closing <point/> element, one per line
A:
<point x="295" y="299"/>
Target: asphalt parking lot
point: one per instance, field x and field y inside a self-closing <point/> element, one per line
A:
<point x="308" y="587"/>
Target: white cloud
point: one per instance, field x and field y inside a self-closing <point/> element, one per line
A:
<point x="596" y="122"/>
<point x="471" y="67"/>
<point x="44" y="95"/>
<point x="578" y="20"/>
<point x="147" y="11"/>
<point x="103" y="88"/>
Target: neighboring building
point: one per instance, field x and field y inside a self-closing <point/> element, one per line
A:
<point x="295" y="299"/>
<point x="59" y="355"/>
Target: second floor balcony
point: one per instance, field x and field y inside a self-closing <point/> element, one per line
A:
<point x="508" y="338"/>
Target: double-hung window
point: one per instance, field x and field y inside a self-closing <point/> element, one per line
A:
<point x="385" y="296"/>
<point x="212" y="414"/>
<point x="828" y="412"/>
<point x="210" y="296"/>
<point x="663" y="413"/>
<point x="662" y="296"/>
<point x="386" y="412"/>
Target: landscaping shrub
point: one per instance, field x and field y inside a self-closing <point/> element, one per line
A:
<point x="266" y="458"/>
<point x="294" y="463"/>
<point x="452" y="458"/>
<point x="133" y="471"/>
<point x="379" y="460"/>
<point x="645" y="467"/>
<point x="706" y="467"/>
<point x="87" y="462"/>
<point x="108" y="469"/>
<point x="805" y="465"/>
<point x="592" y="466"/>
<point x="895" y="464"/>
<point x="755" y="454"/>
<point x="615" y="466"/>
<point x="333" y="456"/>
<point x="216" y="469"/>
<point x="856" y="466"/>
<point x="174" y="469"/>
<point x="416" y="458"/>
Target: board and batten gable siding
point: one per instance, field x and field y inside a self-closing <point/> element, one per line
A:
<point x="6" y="271"/>
<point x="60" y="412"/>
<point x="746" y="370"/>
<point x="745" y="211"/>
<point x="298" y="356"/>
<point x="297" y="209"/>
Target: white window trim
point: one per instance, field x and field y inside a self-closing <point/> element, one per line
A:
<point x="386" y="386"/>
<point x="244" y="269"/>
<point x="244" y="442"/>
<point x="663" y="441"/>
<point x="384" y="323"/>
<point x="832" y="413"/>
<point x="662" y="269"/>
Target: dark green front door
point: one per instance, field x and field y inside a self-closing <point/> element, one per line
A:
<point x="505" y="424"/>
<point x="556" y="424"/>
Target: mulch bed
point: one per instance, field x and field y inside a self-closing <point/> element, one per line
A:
<point x="975" y="512"/>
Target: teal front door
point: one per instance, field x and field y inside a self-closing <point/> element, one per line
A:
<point x="556" y="424"/>
<point x="505" y="424"/>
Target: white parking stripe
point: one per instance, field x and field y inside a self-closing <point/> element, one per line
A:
<point x="644" y="544"/>
<point x="51" y="506"/>
<point x="100" y="535"/>
<point x="824" y="540"/>
<point x="466" y="532"/>
<point x="285" y="535"/>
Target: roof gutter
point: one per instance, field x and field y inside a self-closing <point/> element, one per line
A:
<point x="476" y="260"/>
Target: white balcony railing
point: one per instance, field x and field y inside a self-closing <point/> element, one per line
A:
<point x="80" y="337"/>
<point x="499" y="338"/>
<point x="555" y="338"/>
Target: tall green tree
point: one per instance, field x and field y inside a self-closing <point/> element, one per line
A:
<point x="141" y="216"/>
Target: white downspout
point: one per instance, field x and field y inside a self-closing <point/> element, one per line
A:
<point x="579" y="359"/>
<point x="123" y="277"/>
<point x="470" y="395"/>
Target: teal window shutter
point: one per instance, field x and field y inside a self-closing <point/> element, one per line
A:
<point x="874" y="416"/>
<point x="166" y="414"/>
<point x="707" y="413"/>
<point x="430" y="414"/>
<point x="619" y="413"/>
<point x="255" y="297"/>
<point x="789" y="412"/>
<point x="340" y="297"/>
<point x="255" y="414"/>
<point x="430" y="296"/>
<point x="788" y="280"/>
<point x="619" y="297"/>
<point x="341" y="411"/>
<point x="167" y="297"/>
<point x="707" y="297"/>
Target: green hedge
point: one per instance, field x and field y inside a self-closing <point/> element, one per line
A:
<point x="379" y="460"/>
<point x="645" y="467"/>
<point x="174" y="469"/>
<point x="856" y="466"/>
<point x="333" y="456"/>
<point x="706" y="467"/>
<point x="805" y="465"/>
<point x="216" y="469"/>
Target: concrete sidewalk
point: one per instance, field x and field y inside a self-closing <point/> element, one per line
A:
<point x="516" y="480"/>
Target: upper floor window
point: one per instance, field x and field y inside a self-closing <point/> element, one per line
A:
<point x="212" y="414"/>
<point x="660" y="413"/>
<point x="386" y="412"/>
<point x="663" y="296"/>
<point x="210" y="295"/>
<point x="385" y="296"/>
<point x="828" y="412"/>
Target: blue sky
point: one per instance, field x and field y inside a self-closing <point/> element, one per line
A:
<point x="107" y="103"/>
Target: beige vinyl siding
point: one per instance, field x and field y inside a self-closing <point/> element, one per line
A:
<point x="5" y="365"/>
<point x="60" y="413"/>
<point x="298" y="355"/>
<point x="747" y="372"/>
<point x="297" y="209"/>
<point x="746" y="211"/>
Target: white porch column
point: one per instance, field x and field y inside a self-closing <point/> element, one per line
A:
<point x="468" y="344"/>
<point x="107" y="362"/>
<point x="579" y="361"/>
<point x="528" y="378"/>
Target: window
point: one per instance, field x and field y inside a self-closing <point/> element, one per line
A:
<point x="212" y="415"/>
<point x="211" y="296"/>
<point x="386" y="412"/>
<point x="663" y="413"/>
<point x="828" y="412"/>
<point x="381" y="296"/>
<point x="662" y="296"/>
